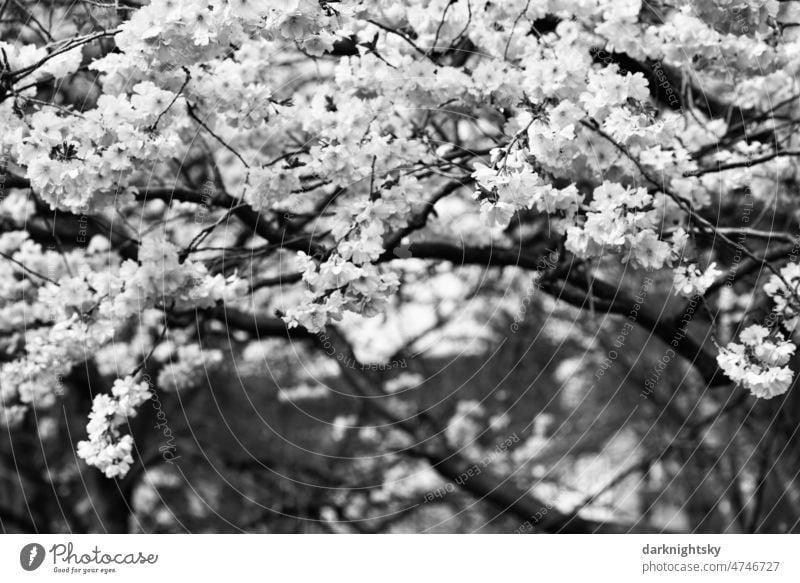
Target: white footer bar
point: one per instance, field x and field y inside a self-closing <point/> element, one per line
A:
<point x="400" y="558"/>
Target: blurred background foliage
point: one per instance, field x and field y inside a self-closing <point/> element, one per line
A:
<point x="279" y="441"/>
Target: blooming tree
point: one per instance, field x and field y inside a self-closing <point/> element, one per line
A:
<point x="288" y="169"/>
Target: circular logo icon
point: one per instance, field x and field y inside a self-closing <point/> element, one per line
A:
<point x="31" y="556"/>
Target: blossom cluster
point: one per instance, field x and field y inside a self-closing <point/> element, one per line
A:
<point x="349" y="280"/>
<point x="758" y="363"/>
<point x="106" y="449"/>
<point x="86" y="308"/>
<point x="517" y="186"/>
<point x="337" y="285"/>
<point x="82" y="163"/>
<point x="690" y="281"/>
<point x="256" y="99"/>
<point x="159" y="277"/>
<point x="622" y="219"/>
<point x="784" y="290"/>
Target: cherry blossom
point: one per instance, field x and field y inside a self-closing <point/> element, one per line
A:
<point x="271" y="158"/>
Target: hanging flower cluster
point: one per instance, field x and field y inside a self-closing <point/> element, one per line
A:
<point x="106" y="449"/>
<point x="759" y="361"/>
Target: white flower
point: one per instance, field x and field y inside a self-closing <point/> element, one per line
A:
<point x="150" y="100"/>
<point x="753" y="335"/>
<point x="649" y="251"/>
<point x="774" y="354"/>
<point x="690" y="281"/>
<point x="129" y="395"/>
<point x="768" y="383"/>
<point x="731" y="360"/>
